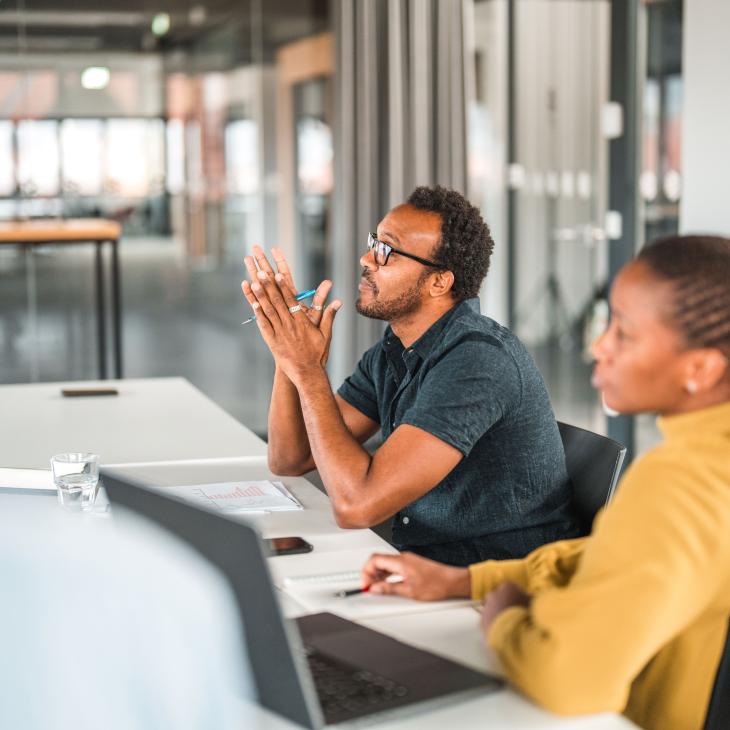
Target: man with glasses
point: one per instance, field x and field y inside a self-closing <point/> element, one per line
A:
<point x="471" y="465"/>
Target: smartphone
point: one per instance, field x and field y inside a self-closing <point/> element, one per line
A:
<point x="288" y="545"/>
<point x="83" y="392"/>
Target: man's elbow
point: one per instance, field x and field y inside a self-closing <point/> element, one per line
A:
<point x="283" y="467"/>
<point x="354" y="517"/>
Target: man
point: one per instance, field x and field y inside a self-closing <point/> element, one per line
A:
<point x="471" y="465"/>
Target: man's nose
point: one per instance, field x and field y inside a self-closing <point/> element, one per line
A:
<point x="367" y="260"/>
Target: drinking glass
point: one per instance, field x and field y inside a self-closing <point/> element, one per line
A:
<point x="75" y="476"/>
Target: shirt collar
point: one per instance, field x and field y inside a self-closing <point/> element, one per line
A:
<point x="424" y="344"/>
<point x="715" y="419"/>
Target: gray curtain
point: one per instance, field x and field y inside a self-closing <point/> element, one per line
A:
<point x="401" y="96"/>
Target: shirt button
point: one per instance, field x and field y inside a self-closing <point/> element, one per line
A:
<point x="406" y="520"/>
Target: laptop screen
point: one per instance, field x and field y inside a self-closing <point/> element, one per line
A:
<point x="272" y="643"/>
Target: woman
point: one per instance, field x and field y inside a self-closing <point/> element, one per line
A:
<point x="634" y="617"/>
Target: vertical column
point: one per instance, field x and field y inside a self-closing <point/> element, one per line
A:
<point x="624" y="159"/>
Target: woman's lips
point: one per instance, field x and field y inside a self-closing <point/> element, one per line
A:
<point x="597" y="381"/>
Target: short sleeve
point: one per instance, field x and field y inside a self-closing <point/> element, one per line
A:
<point x="359" y="389"/>
<point x="469" y="389"/>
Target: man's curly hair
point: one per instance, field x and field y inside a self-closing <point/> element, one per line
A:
<point x="466" y="243"/>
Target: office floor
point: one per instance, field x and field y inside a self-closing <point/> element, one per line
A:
<point x="183" y="319"/>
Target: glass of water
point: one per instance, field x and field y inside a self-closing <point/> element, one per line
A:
<point x="75" y="477"/>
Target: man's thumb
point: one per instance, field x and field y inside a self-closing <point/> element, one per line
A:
<point x="329" y="317"/>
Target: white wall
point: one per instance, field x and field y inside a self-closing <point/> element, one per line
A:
<point x="705" y="204"/>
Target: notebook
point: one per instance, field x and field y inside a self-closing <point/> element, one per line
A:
<point x="315" y="591"/>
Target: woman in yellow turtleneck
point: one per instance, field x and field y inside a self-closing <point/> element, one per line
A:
<point x="634" y="617"/>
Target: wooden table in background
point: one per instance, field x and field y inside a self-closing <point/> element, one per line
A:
<point x="97" y="231"/>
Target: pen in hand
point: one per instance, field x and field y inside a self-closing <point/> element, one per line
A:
<point x="299" y="297"/>
<point x="352" y="592"/>
<point x="355" y="591"/>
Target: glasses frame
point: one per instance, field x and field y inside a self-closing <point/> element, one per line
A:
<point x="373" y="241"/>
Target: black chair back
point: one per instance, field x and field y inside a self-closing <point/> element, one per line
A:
<point x="594" y="465"/>
<point x="718" y="711"/>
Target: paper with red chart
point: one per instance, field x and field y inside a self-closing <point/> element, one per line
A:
<point x="257" y="496"/>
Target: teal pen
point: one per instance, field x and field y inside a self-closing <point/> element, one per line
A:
<point x="299" y="297"/>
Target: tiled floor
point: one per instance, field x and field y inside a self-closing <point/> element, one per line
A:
<point x="181" y="319"/>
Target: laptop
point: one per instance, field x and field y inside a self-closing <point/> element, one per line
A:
<point x="320" y="669"/>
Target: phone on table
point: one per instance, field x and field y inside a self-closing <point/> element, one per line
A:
<point x="288" y="545"/>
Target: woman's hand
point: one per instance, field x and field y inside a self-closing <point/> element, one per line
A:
<point x="422" y="579"/>
<point x="502" y="597"/>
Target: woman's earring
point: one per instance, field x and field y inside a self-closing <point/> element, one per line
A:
<point x="691" y="387"/>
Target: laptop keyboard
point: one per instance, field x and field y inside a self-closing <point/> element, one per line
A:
<point x="346" y="692"/>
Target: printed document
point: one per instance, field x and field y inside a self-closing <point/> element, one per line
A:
<point x="258" y="496"/>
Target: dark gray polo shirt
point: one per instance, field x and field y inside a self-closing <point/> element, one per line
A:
<point x="471" y="383"/>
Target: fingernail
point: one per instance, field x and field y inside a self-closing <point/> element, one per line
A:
<point x="256" y="286"/>
<point x="336" y="305"/>
<point x="262" y="275"/>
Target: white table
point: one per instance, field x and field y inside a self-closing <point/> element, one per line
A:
<point x="152" y="419"/>
<point x="167" y="433"/>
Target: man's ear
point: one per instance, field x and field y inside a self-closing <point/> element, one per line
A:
<point x="441" y="283"/>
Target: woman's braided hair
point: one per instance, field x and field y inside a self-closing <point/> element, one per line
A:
<point x="698" y="268"/>
<point x="466" y="244"/>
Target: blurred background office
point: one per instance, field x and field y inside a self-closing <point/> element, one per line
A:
<point x="206" y="126"/>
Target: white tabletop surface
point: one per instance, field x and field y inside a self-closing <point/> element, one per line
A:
<point x="152" y="419"/>
<point x="165" y="432"/>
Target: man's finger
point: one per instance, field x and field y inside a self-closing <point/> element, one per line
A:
<point x="248" y="293"/>
<point x="261" y="260"/>
<point x="328" y="318"/>
<point x="320" y="297"/>
<point x="250" y="267"/>
<point x="267" y="307"/>
<point x="277" y="296"/>
<point x="282" y="267"/>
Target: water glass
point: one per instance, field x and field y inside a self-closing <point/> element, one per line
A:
<point x="76" y="476"/>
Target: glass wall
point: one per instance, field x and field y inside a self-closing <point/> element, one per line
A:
<point x="203" y="135"/>
<point x="221" y="128"/>
<point x="545" y="197"/>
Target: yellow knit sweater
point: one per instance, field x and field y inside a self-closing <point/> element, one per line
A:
<point x="633" y="618"/>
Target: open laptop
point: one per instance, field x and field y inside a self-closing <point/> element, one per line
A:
<point x="320" y="669"/>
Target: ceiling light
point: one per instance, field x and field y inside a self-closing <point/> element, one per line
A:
<point x="95" y="77"/>
<point x="197" y="15"/>
<point x="160" y="24"/>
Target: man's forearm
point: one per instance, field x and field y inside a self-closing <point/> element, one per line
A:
<point x="342" y="462"/>
<point x="289" y="450"/>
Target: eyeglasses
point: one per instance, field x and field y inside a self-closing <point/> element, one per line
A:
<point x="382" y="250"/>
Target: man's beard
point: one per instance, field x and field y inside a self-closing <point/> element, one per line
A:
<point x="405" y="304"/>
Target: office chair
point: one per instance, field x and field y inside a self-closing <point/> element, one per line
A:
<point x="594" y="464"/>
<point x="718" y="711"/>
